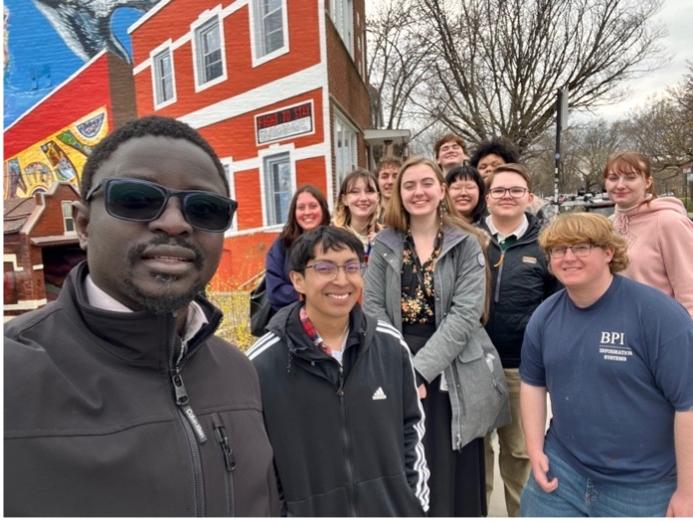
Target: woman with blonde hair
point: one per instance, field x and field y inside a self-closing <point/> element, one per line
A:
<point x="658" y="230"/>
<point x="427" y="279"/>
<point x="358" y="203"/>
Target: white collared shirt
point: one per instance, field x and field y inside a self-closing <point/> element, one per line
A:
<point x="518" y="232"/>
<point x="194" y="321"/>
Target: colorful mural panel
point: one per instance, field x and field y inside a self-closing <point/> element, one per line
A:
<point x="46" y="41"/>
<point x="58" y="157"/>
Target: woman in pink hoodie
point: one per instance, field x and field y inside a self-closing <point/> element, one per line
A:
<point x="658" y="231"/>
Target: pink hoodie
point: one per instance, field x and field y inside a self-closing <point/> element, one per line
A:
<point x="660" y="247"/>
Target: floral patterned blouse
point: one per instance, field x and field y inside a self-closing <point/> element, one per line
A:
<point x="418" y="291"/>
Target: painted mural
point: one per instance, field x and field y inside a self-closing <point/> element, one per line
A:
<point x="48" y="40"/>
<point x="58" y="157"/>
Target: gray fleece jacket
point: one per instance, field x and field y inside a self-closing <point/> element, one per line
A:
<point x="460" y="347"/>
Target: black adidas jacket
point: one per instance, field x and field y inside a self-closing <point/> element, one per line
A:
<point x="520" y="281"/>
<point x="346" y="439"/>
<point x="98" y="422"/>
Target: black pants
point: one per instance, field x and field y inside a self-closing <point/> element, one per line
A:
<point x="457" y="483"/>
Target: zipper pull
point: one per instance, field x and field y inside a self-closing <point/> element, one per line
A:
<point x="340" y="390"/>
<point x="223" y="440"/>
<point x="183" y="402"/>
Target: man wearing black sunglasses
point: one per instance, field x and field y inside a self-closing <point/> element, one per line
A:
<point x="339" y="393"/>
<point x="119" y="399"/>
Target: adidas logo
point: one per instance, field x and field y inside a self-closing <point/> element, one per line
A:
<point x="379" y="395"/>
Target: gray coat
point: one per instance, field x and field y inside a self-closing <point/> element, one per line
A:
<point x="460" y="347"/>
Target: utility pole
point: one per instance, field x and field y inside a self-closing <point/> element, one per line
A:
<point x="561" y="122"/>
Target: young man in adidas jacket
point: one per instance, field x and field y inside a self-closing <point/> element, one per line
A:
<point x="339" y="393"/>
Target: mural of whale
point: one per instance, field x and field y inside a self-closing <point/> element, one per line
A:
<point x="85" y="25"/>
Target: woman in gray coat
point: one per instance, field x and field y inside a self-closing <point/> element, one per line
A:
<point x="427" y="277"/>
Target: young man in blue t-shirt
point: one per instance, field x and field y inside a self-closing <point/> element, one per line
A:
<point x="616" y="357"/>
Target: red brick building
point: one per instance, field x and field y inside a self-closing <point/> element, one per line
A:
<point x="277" y="87"/>
<point x="40" y="247"/>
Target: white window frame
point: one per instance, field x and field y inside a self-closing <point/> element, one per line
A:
<point x="257" y="34"/>
<point x="342" y="15"/>
<point x="66" y="209"/>
<point x="208" y="18"/>
<point x="227" y="163"/>
<point x="263" y="156"/>
<point x="341" y="123"/>
<point x="154" y="55"/>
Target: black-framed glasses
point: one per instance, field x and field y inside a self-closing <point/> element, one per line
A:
<point x="140" y="200"/>
<point x="329" y="270"/>
<point x="515" y="192"/>
<point x="579" y="250"/>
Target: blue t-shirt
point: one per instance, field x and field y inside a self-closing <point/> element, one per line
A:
<point x="616" y="372"/>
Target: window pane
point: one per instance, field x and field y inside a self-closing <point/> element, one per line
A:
<point x="274" y="34"/>
<point x="209" y="43"/>
<point x="270" y="5"/>
<point x="269" y="25"/>
<point x="68" y="222"/>
<point x="278" y="186"/>
<point x="163" y="77"/>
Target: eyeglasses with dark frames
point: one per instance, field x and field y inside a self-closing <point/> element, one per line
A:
<point x="515" y="192"/>
<point x="579" y="250"/>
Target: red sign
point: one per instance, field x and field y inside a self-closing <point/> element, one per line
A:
<point x="284" y="123"/>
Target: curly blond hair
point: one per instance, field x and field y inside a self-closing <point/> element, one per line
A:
<point x="582" y="227"/>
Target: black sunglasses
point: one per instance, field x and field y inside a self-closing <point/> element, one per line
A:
<point x="140" y="200"/>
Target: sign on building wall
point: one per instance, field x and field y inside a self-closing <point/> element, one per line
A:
<point x="58" y="157"/>
<point x="284" y="123"/>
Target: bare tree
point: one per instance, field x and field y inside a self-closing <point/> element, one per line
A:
<point x="499" y="63"/>
<point x="591" y="146"/>
<point x="396" y="65"/>
<point x="585" y="150"/>
<point x="663" y="130"/>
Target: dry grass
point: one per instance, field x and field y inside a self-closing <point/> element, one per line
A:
<point x="235" y="328"/>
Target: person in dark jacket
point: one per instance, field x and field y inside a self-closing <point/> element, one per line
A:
<point x="339" y="393"/>
<point x="308" y="210"/>
<point x="119" y="399"/>
<point x="520" y="282"/>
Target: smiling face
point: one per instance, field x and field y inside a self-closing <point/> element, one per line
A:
<point x="308" y="211"/>
<point x="450" y="154"/>
<point x="158" y="265"/>
<point x="580" y="274"/>
<point x="361" y="199"/>
<point x="386" y="180"/>
<point x="507" y="207"/>
<point x="488" y="163"/>
<point x="421" y="191"/>
<point x="465" y="196"/>
<point x="626" y="186"/>
<point x="326" y="297"/>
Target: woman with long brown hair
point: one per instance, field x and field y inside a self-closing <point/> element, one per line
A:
<point x="308" y="210"/>
<point x="427" y="278"/>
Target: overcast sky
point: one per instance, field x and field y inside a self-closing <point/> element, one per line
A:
<point x="677" y="18"/>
